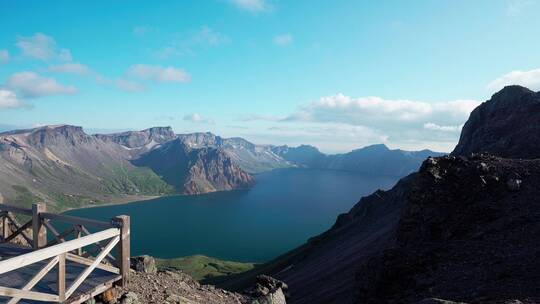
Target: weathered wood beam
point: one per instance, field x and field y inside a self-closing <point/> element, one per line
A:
<point x="123" y="263"/>
<point x="39" y="231"/>
<point x="19" y="231"/>
<point x="76" y="220"/>
<point x="84" y="261"/>
<point x="78" y="281"/>
<point x="36" y="278"/>
<point x="48" y="252"/>
<point x="15" y="209"/>
<point x="26" y="294"/>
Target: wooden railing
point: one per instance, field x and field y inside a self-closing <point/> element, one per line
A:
<point x="75" y="243"/>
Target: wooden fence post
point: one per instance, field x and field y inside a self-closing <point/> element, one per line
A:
<point x="6" y="229"/>
<point x="39" y="232"/>
<point x="61" y="276"/>
<point x="123" y="222"/>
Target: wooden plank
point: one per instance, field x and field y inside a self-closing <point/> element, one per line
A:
<point x="61" y="278"/>
<point x="76" y="220"/>
<point x="36" y="278"/>
<point x="80" y="298"/>
<point x="6" y="229"/>
<point x="49" y="252"/>
<point x="90" y="268"/>
<point x="15" y="209"/>
<point x="39" y="233"/>
<point x="26" y="294"/>
<point x="84" y="261"/>
<point x="124" y="248"/>
<point x="83" y="229"/>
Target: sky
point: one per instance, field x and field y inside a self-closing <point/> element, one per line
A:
<point x="337" y="74"/>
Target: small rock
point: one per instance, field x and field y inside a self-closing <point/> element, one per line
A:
<point x="144" y="263"/>
<point x="483" y="167"/>
<point x="130" y="298"/>
<point x="513" y="184"/>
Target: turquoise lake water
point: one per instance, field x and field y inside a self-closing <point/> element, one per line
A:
<point x="283" y="210"/>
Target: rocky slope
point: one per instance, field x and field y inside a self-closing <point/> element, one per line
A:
<point x="507" y="125"/>
<point x="463" y="228"/>
<point x="470" y="232"/>
<point x="250" y="157"/>
<point x="65" y="167"/>
<point x="195" y="170"/>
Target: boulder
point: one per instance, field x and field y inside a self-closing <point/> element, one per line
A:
<point x="268" y="290"/>
<point x="144" y="263"/>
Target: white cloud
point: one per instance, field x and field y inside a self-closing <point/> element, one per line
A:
<point x="515" y="7"/>
<point x="128" y="85"/>
<point x="436" y="127"/>
<point x="253" y="6"/>
<point x="70" y="68"/>
<point x="41" y="46"/>
<point x="530" y="79"/>
<point x="4" y="56"/>
<point x="403" y="123"/>
<point x="158" y="73"/>
<point x="9" y="100"/>
<point x="197" y="118"/>
<point x="378" y="111"/>
<point x="30" y="84"/>
<point x="283" y="40"/>
<point x="187" y="43"/>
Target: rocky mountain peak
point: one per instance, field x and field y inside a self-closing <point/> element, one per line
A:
<point x="57" y="134"/>
<point x="506" y="125"/>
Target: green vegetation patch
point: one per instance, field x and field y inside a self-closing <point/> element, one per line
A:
<point x="138" y="181"/>
<point x="203" y="268"/>
<point x="24" y="197"/>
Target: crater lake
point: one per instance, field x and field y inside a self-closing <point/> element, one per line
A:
<point x="283" y="210"/>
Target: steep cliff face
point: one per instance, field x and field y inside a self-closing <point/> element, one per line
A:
<point x="506" y="125"/>
<point x="470" y="232"/>
<point x="464" y="228"/>
<point x="194" y="171"/>
<point x="250" y="157"/>
<point x="67" y="168"/>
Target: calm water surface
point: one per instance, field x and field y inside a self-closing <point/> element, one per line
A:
<point x="283" y="210"/>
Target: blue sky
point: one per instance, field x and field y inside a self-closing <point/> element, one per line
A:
<point x="335" y="74"/>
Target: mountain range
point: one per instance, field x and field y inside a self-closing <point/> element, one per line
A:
<point x="465" y="228"/>
<point x="67" y="168"/>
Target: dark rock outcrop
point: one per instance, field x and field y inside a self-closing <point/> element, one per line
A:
<point x="507" y="125"/>
<point x="463" y="236"/>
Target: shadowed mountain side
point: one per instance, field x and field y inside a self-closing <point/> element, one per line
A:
<point x="507" y="125"/>
<point x="323" y="270"/>
<point x="374" y="159"/>
<point x="470" y="232"/>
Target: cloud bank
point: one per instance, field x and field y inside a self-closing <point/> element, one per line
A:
<point x="529" y="79"/>
<point x="43" y="47"/>
<point x="32" y="85"/>
<point x="158" y="73"/>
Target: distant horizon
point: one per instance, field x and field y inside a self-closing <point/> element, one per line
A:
<point x="91" y="131"/>
<point x="335" y="75"/>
